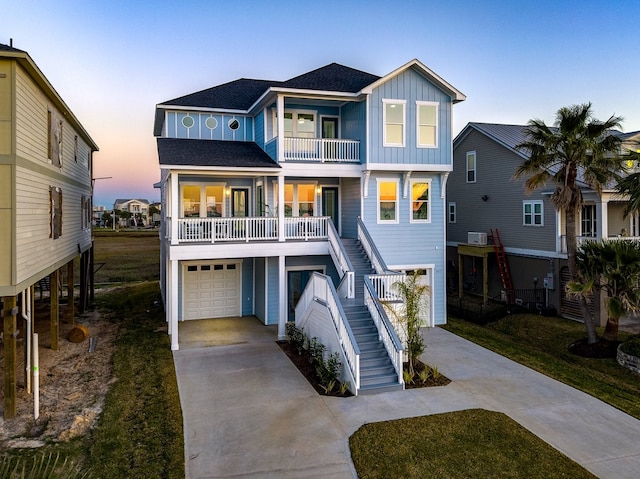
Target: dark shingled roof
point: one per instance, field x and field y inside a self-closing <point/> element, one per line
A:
<point x="7" y="48"/>
<point x="241" y="94"/>
<point x="332" y="77"/>
<point x="178" y="151"/>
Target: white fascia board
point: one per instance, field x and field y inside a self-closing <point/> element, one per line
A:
<point x="202" y="109"/>
<point x="320" y="170"/>
<point x="222" y="170"/>
<point x="456" y="95"/>
<point x="408" y="167"/>
<point x="327" y="94"/>
<point x="191" y="252"/>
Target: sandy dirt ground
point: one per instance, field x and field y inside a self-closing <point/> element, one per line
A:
<point x="73" y="381"/>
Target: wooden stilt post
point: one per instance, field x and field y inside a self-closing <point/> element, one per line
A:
<point x="70" y="294"/>
<point x="55" y="308"/>
<point x="9" y="312"/>
<point x="91" y="275"/>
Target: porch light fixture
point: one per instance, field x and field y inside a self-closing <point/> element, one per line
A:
<point x="227" y="191"/>
<point x="318" y="190"/>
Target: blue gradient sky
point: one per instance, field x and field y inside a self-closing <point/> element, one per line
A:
<point x="112" y="61"/>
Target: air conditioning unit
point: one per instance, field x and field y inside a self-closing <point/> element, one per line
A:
<point x="476" y="238"/>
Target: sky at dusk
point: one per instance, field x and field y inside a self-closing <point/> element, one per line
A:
<point x="113" y="61"/>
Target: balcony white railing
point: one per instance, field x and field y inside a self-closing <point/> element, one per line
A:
<point x="321" y="290"/>
<point x="383" y="285"/>
<point x="581" y="239"/>
<point x="213" y="230"/>
<point x="347" y="286"/>
<point x="321" y="150"/>
<point x="386" y="331"/>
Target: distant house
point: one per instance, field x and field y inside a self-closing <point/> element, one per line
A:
<point x="305" y="200"/>
<point x="138" y="209"/>
<point x="45" y="196"/>
<point x="483" y="196"/>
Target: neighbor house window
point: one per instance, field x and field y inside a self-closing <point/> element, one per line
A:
<point x="394" y="121"/>
<point x="532" y="213"/>
<point x="54" y="138"/>
<point x="420" y="207"/>
<point x="85" y="208"/>
<point x="75" y="148"/>
<point x="588" y="221"/>
<point x="55" y="212"/>
<point x="427" y="124"/>
<point x="471" y="166"/>
<point x="452" y="212"/>
<point x="388" y="201"/>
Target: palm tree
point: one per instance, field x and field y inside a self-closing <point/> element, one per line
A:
<point x="630" y="186"/>
<point x="578" y="145"/>
<point x="613" y="267"/>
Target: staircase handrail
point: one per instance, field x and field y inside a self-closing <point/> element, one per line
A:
<point x="386" y="331"/>
<point x="341" y="260"/>
<point x="370" y="249"/>
<point x="320" y="289"/>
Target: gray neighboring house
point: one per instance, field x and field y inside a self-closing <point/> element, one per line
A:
<point x="483" y="196"/>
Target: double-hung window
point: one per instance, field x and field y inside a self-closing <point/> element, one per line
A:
<point x="394" y="122"/>
<point x="427" y="124"/>
<point x="452" y="212"/>
<point x="588" y="223"/>
<point x="471" y="166"/>
<point x="420" y="205"/>
<point x="532" y="213"/>
<point x="388" y="201"/>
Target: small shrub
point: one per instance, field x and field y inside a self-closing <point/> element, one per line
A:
<point x="45" y="465"/>
<point x="407" y="376"/>
<point x="631" y="346"/>
<point x="435" y="372"/>
<point x="344" y="387"/>
<point x="316" y="351"/>
<point x="424" y="375"/>
<point x="329" y="370"/>
<point x="296" y="336"/>
<point x="329" y="387"/>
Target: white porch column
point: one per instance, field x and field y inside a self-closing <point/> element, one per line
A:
<point x="280" y="208"/>
<point x="602" y="219"/>
<point x="280" y="125"/>
<point x="282" y="299"/>
<point x="173" y="287"/>
<point x="173" y="195"/>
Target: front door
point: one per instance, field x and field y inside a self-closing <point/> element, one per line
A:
<point x="330" y="204"/>
<point x="239" y="203"/>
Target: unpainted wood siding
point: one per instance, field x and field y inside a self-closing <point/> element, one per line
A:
<point x="495" y="166"/>
<point x="410" y="86"/>
<point x="36" y="253"/>
<point x="6" y="107"/>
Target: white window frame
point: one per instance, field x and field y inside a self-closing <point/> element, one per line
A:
<point x="419" y="124"/>
<point x="593" y="221"/>
<point x="396" y="220"/>
<point x="533" y="214"/>
<point x="403" y="103"/>
<point x="294" y="114"/>
<point x="452" y="212"/>
<point x="411" y="183"/>
<point x="295" y="205"/>
<point x="203" y="197"/>
<point x="475" y="166"/>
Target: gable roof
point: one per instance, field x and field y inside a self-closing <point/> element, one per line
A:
<point x="121" y="201"/>
<point x="221" y="153"/>
<point x="508" y="136"/>
<point x="332" y="77"/>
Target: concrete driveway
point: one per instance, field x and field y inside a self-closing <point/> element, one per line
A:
<point x="249" y="413"/>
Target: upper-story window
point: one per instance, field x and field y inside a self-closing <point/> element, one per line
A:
<point x="203" y="200"/>
<point x="588" y="223"/>
<point x="55" y="210"/>
<point x="427" y="124"/>
<point x="532" y="213"/>
<point x="299" y="199"/>
<point x="54" y="138"/>
<point x="388" y="201"/>
<point x="393" y="118"/>
<point x="297" y="124"/>
<point x="420" y="205"/>
<point x="452" y="212"/>
<point x="471" y="166"/>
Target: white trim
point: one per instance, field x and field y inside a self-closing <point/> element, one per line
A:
<point x="287" y="269"/>
<point x="412" y="181"/>
<point x="390" y="101"/>
<point x="430" y="269"/>
<point x="475" y="166"/>
<point x="533" y="213"/>
<point x="335" y="117"/>
<point x="435" y="104"/>
<point x="455" y="212"/>
<point x="408" y="167"/>
<point x="397" y="202"/>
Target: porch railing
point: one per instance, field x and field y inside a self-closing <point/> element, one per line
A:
<point x="320" y="289"/>
<point x="386" y="331"/>
<point x="383" y="285"/>
<point x="321" y="150"/>
<point x="581" y="239"/>
<point x="347" y="286"/>
<point x="213" y="230"/>
<point x="370" y="248"/>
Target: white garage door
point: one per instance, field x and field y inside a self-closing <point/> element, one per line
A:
<point x="211" y="291"/>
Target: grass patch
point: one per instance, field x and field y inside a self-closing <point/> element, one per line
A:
<point x="466" y="444"/>
<point x="541" y="343"/>
<point x="126" y="256"/>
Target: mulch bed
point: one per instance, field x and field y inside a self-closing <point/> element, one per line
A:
<point x="309" y="372"/>
<point x="599" y="350"/>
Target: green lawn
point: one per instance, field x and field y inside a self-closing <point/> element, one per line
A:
<point x="465" y="444"/>
<point x="126" y="256"/>
<point x="541" y="343"/>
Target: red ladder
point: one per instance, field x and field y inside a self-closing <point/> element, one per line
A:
<point x="503" y="266"/>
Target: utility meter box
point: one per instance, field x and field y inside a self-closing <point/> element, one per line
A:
<point x="548" y="281"/>
<point x="476" y="238"/>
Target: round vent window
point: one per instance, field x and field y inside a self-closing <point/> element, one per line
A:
<point x="187" y="122"/>
<point x="234" y="124"/>
<point x="211" y="123"/>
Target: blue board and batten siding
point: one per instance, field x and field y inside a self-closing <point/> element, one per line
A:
<point x="208" y="126"/>
<point x="410" y="86"/>
<point x="353" y="124"/>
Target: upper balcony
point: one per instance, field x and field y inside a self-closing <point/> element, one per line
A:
<point x="322" y="150"/>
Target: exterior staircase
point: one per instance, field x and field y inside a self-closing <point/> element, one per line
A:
<point x="377" y="373"/>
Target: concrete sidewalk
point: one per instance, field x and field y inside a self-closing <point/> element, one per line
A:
<point x="249" y="413"/>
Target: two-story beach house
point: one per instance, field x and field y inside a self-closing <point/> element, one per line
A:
<point x="483" y="197"/>
<point x="137" y="208"/>
<point x="305" y="200"/>
<point x="45" y="199"/>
